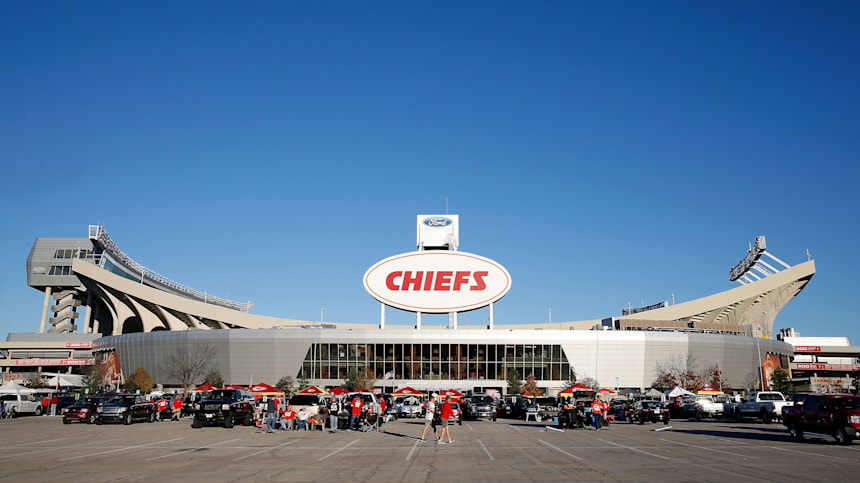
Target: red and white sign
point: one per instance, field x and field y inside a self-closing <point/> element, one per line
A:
<point x="826" y="367"/>
<point x="79" y="345"/>
<point x="807" y="348"/>
<point x="437" y="281"/>
<point x="53" y="362"/>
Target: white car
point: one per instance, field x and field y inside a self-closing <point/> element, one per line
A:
<point x="409" y="408"/>
<point x="21" y="404"/>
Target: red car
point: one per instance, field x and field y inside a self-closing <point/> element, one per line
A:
<point x="834" y="415"/>
<point x="84" y="410"/>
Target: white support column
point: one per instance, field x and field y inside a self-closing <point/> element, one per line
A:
<point x="89" y="315"/>
<point x="455" y="320"/>
<point x="491" y="315"/>
<point x="776" y="259"/>
<point x="45" y="310"/>
<point x="760" y="270"/>
<point x="767" y="265"/>
<point x="417" y="320"/>
<point x="381" y="316"/>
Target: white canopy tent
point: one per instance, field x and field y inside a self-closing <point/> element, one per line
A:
<point x="677" y="392"/>
<point x="12" y="388"/>
<point x="65" y="380"/>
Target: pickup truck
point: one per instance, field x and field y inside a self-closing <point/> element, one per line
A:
<point x="704" y="407"/>
<point x="125" y="409"/>
<point x="225" y="407"/>
<point x="764" y="405"/>
<point x="832" y="415"/>
<point x="18" y="404"/>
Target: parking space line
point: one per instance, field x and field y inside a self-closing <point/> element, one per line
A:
<point x="635" y="449"/>
<point x="486" y="450"/>
<point x="267" y="449"/>
<point x="192" y="449"/>
<point x="801" y="452"/>
<point x="119" y="449"/>
<point x="470" y="427"/>
<point x="560" y="450"/>
<point x="338" y="450"/>
<point x="40" y="442"/>
<point x="709" y="449"/>
<point x="55" y="448"/>
<point x="412" y="450"/>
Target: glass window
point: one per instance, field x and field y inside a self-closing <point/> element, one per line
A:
<point x="352" y="352"/>
<point x="445" y="352"/>
<point x="407" y="352"/>
<point x="398" y="352"/>
<point x="446" y="370"/>
<point x="491" y="353"/>
<point x="380" y="352"/>
<point x="341" y="351"/>
<point x="435" y="357"/>
<point x="464" y="352"/>
<point x="425" y="353"/>
<point x="556" y="353"/>
<point x="482" y="352"/>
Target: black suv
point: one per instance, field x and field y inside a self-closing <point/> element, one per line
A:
<point x="224" y="407"/>
<point x="125" y="408"/>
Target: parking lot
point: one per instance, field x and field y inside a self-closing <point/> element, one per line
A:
<point x="43" y="449"/>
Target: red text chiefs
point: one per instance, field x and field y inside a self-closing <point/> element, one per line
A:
<point x="440" y="281"/>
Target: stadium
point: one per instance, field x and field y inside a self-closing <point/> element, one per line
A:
<point x="135" y="317"/>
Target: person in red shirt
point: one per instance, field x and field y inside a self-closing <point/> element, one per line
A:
<point x="356" y="406"/>
<point x="54" y="401"/>
<point x="381" y="412"/>
<point x="177" y="409"/>
<point x="287" y="418"/>
<point x="161" y="406"/>
<point x="447" y="413"/>
<point x="45" y="403"/>
<point x="596" y="413"/>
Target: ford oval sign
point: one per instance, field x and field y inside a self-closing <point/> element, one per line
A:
<point x="437" y="281"/>
<point x="437" y="221"/>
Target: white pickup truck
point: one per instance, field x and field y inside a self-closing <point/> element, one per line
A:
<point x="764" y="405"/>
<point x="18" y="404"/>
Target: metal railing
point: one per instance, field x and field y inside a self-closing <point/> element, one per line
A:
<point x="99" y="235"/>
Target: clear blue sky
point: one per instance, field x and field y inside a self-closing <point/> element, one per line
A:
<point x="272" y="152"/>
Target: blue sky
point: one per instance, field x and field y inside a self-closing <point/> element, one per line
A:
<point x="605" y="153"/>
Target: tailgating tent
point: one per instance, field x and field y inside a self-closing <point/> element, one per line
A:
<point x="608" y="392"/>
<point x="653" y="393"/>
<point x="407" y="391"/>
<point x="337" y="391"/>
<point x="574" y="388"/>
<point x="528" y="394"/>
<point x="677" y="392"/>
<point x="709" y="390"/>
<point x="452" y="393"/>
<point x="204" y="388"/>
<point x="12" y="388"/>
<point x="65" y="380"/>
<point x="263" y="389"/>
<point x="313" y="390"/>
<point x="234" y="386"/>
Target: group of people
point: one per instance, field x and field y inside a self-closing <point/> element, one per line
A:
<point x="435" y="416"/>
<point x="574" y="414"/>
<point x="162" y="404"/>
<point x="288" y="419"/>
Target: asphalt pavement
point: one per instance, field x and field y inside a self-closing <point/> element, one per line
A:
<point x="44" y="449"/>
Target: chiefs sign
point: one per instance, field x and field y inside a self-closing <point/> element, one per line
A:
<point x="437" y="281"/>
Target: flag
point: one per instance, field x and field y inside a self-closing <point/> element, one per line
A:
<point x="389" y="375"/>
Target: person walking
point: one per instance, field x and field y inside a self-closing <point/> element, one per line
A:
<point x="429" y="414"/>
<point x="382" y="407"/>
<point x="596" y="409"/>
<point x="177" y="409"/>
<point x="356" y="406"/>
<point x="447" y="412"/>
<point x="333" y="411"/>
<point x="271" y="415"/>
<point x="54" y="401"/>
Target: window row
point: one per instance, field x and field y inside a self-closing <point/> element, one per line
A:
<point x="74" y="253"/>
<point x="436" y="370"/>
<point x="57" y="270"/>
<point x="436" y="352"/>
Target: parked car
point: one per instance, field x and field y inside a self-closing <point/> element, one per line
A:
<point x="704" y="407"/>
<point x="125" y="408"/>
<point x="225" y="407"/>
<point x="648" y="410"/>
<point x="833" y="415"/>
<point x="310" y="402"/>
<point x="19" y="404"/>
<point x="514" y="407"/>
<point x="480" y="406"/>
<point x="65" y="401"/>
<point x="457" y="413"/>
<point x="409" y="407"/>
<point x="764" y="405"/>
<point x="85" y="409"/>
<point x="546" y="407"/>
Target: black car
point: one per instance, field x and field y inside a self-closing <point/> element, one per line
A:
<point x="84" y="410"/>
<point x="515" y="407"/>
<point x="125" y="408"/>
<point x="480" y="406"/>
<point x="653" y="411"/>
<point x="64" y="402"/>
<point x="224" y="407"/>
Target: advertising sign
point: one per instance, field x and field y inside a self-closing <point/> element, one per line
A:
<point x="79" y="345"/>
<point x="437" y="281"/>
<point x="52" y="362"/>
<point x="803" y="366"/>
<point x="807" y="348"/>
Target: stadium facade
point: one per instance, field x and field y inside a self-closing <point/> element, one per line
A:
<point x="141" y="318"/>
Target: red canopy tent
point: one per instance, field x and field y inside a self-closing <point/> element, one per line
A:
<point x="407" y="391"/>
<point x="452" y="393"/>
<point x="204" y="388"/>
<point x="528" y="394"/>
<point x="313" y="390"/>
<point x="263" y="389"/>
<point x="574" y="388"/>
<point x="234" y="386"/>
<point x="709" y="390"/>
<point x="337" y="391"/>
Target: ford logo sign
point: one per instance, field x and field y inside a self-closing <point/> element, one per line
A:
<point x="437" y="221"/>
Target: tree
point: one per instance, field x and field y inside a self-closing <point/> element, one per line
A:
<point x="285" y="384"/>
<point x="515" y="384"/>
<point x="303" y="381"/>
<point x="35" y="382"/>
<point x="350" y="383"/>
<point x="187" y="365"/>
<point x="590" y="382"/>
<point x="781" y="381"/>
<point x="530" y="386"/>
<point x="93" y="379"/>
<point x="664" y="381"/>
<point x="129" y="385"/>
<point x="214" y="378"/>
<point x="142" y="381"/>
<point x="682" y="369"/>
<point x="751" y="381"/>
<point x="571" y="378"/>
<point x="366" y="379"/>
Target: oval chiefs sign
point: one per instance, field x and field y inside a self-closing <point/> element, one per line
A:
<point x="437" y="281"/>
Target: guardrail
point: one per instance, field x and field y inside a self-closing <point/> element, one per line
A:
<point x="100" y="236"/>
